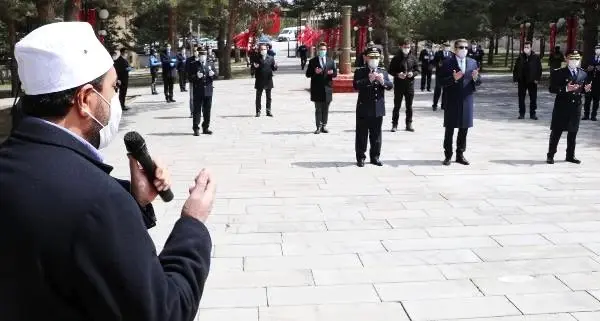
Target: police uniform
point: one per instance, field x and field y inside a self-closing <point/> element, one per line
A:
<point x="169" y="72"/>
<point x="370" y="109"/>
<point x="201" y="75"/>
<point x="593" y="98"/>
<point x="567" y="107"/>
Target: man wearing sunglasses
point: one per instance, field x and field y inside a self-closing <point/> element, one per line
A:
<point x="460" y="77"/>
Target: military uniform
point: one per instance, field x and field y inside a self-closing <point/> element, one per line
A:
<point x="181" y="60"/>
<point x="567" y="107"/>
<point x="370" y="109"/>
<point x="593" y="70"/>
<point x="426" y="58"/>
<point x="201" y="75"/>
<point x="476" y="53"/>
<point x="169" y="72"/>
<point x="439" y="58"/>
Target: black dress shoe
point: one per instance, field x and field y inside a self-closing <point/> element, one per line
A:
<point x="434" y="107"/>
<point x="594" y="119"/>
<point x="446" y="162"/>
<point x="318" y="131"/>
<point x="125" y="108"/>
<point x="196" y="132"/>
<point x="585" y="118"/>
<point x="324" y="130"/>
<point x="207" y="132"/>
<point x="573" y="160"/>
<point x="521" y="117"/>
<point x="409" y="128"/>
<point x="394" y="129"/>
<point x="258" y="114"/>
<point x="533" y="117"/>
<point x="376" y="162"/>
<point x="269" y="114"/>
<point x="173" y="100"/>
<point x="550" y="160"/>
<point x="462" y="160"/>
<point x="360" y="163"/>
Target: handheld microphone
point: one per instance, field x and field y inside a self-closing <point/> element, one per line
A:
<point x="136" y="146"/>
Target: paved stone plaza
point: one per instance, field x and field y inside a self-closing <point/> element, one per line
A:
<point x="300" y="233"/>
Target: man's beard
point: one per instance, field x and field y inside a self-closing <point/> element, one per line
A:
<point x="93" y="135"/>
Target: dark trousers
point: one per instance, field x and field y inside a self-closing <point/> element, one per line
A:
<point x="425" y="78"/>
<point x="168" y="80"/>
<point x="595" y="98"/>
<point x="259" y="99"/>
<point x="321" y="113"/>
<point x="202" y="106"/>
<point x="523" y="89"/>
<point x="461" y="141"/>
<point x="439" y="91"/>
<point x="153" y="75"/>
<point x="303" y="62"/>
<point x="399" y="95"/>
<point x="123" y="92"/>
<point x="182" y="80"/>
<point x="555" y="138"/>
<point x="192" y="99"/>
<point x="368" y="128"/>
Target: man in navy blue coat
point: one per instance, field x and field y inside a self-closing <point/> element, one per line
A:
<point x="201" y="73"/>
<point x="371" y="83"/>
<point x="460" y="77"/>
<point x="73" y="240"/>
<point x="169" y="71"/>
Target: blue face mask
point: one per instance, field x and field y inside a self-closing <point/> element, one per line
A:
<point x="322" y="53"/>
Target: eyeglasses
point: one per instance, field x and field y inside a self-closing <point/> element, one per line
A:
<point x="462" y="47"/>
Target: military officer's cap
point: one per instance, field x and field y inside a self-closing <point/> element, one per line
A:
<point x="201" y="51"/>
<point x="446" y="44"/>
<point x="373" y="52"/>
<point x="597" y="46"/>
<point x="574" y="54"/>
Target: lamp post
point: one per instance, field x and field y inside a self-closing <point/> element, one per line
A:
<point x="370" y="33"/>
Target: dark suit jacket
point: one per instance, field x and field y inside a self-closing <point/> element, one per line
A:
<point x="264" y="72"/>
<point x="371" y="95"/>
<point x="181" y="62"/>
<point x="439" y="59"/>
<point x="122" y="68"/>
<point x="169" y="64"/>
<point x="202" y="86"/>
<point x="567" y="105"/>
<point x="426" y="57"/>
<point x="405" y="64"/>
<point x="321" y="84"/>
<point x="527" y="68"/>
<point x="594" y="73"/>
<point x="458" y="112"/>
<point x="73" y="239"/>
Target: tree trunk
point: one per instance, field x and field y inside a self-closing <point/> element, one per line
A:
<point x="12" y="40"/>
<point x="45" y="11"/>
<point x="507" y="49"/>
<point x="72" y="8"/>
<point x="386" y="51"/>
<point x="221" y="45"/>
<point x="233" y="15"/>
<point x="238" y="55"/>
<point x="491" y="50"/>
<point x="497" y="44"/>
<point x="590" y="28"/>
<point x="172" y="38"/>
<point x="542" y="46"/>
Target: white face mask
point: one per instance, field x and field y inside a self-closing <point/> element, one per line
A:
<point x="373" y="63"/>
<point x="527" y="51"/>
<point x="474" y="47"/>
<point x="462" y="53"/>
<point x="574" y="63"/>
<point x="110" y="130"/>
<point x="598" y="52"/>
<point x="405" y="51"/>
<point x="203" y="58"/>
<point x="263" y="53"/>
<point x="447" y="49"/>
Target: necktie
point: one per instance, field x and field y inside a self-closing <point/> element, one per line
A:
<point x="323" y="63"/>
<point x="574" y="73"/>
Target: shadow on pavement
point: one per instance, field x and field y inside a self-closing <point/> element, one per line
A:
<point x="288" y="132"/>
<point x="392" y="163"/>
<point x="517" y="162"/>
<point x="171" y="117"/>
<point x="171" y="134"/>
<point x="238" y="116"/>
